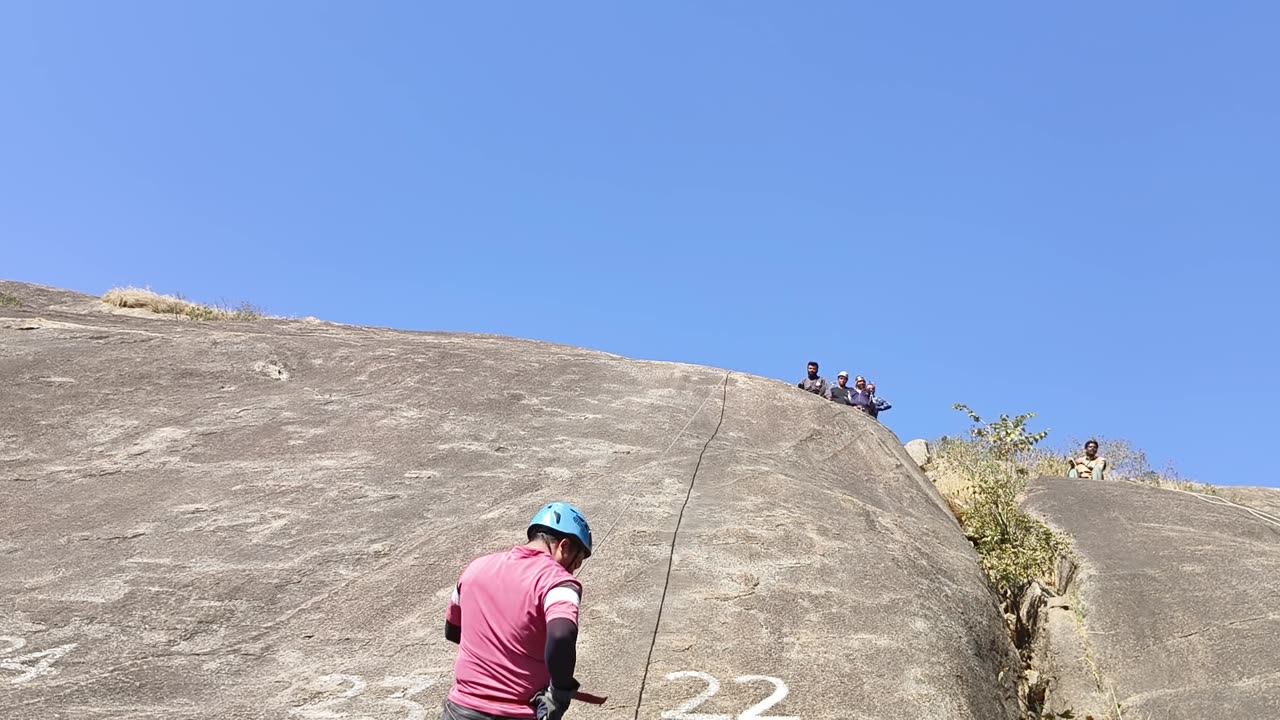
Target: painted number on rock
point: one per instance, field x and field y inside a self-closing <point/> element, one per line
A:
<point x="686" y="711"/>
<point x="346" y="688"/>
<point x="31" y="665"/>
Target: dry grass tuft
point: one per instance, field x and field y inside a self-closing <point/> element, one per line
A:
<point x="178" y="306"/>
<point x="145" y="300"/>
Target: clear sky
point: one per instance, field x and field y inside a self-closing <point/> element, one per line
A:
<point x="1066" y="208"/>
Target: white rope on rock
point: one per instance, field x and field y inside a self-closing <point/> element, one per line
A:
<point x="1214" y="500"/>
<point x="631" y="496"/>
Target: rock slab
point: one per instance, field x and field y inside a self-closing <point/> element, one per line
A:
<point x="1176" y="599"/>
<point x="265" y="520"/>
<point x="919" y="451"/>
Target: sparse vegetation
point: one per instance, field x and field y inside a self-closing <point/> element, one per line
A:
<point x="982" y="475"/>
<point x="987" y="473"/>
<point x="179" y="306"/>
<point x="8" y="299"/>
<point x="1126" y="462"/>
<point x="1007" y="438"/>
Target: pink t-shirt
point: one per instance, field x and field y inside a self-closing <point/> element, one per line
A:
<point x="503" y="604"/>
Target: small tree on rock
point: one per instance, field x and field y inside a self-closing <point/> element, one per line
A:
<point x="1007" y="438"/>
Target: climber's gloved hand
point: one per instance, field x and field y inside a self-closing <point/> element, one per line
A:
<point x="551" y="704"/>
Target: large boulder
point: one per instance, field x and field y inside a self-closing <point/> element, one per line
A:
<point x="919" y="451"/>
<point x="1174" y="604"/>
<point x="265" y="519"/>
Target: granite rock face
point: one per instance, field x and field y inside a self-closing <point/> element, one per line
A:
<point x="1174" y="605"/>
<point x="919" y="451"/>
<point x="265" y="520"/>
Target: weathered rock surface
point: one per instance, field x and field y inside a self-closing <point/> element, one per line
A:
<point x="1261" y="499"/>
<point x="919" y="451"/>
<point x="1175" y="608"/>
<point x="264" y="520"/>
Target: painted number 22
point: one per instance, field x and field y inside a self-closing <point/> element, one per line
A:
<point x="686" y="711"/>
<point x="409" y="685"/>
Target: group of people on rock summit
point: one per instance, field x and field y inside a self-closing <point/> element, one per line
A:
<point x="861" y="395"/>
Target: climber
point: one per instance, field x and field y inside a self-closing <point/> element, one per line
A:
<point x="814" y="383"/>
<point x="1088" y="465"/>
<point x="517" y="647"/>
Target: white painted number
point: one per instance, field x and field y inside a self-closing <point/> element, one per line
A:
<point x="779" y="694"/>
<point x="334" y="708"/>
<point x="24" y="664"/>
<point x="350" y="687"/>
<point x="685" y="711"/>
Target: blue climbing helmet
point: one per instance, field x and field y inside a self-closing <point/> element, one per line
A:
<point x="565" y="519"/>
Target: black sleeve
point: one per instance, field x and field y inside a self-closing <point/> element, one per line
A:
<point x="452" y="633"/>
<point x="562" y="652"/>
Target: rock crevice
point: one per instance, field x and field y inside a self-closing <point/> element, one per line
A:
<point x="1060" y="677"/>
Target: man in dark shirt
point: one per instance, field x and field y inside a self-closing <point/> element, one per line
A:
<point x="840" y="391"/>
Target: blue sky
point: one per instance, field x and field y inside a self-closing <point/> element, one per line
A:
<point x="1063" y="208"/>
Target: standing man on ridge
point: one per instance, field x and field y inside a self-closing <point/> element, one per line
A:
<point x="878" y="404"/>
<point x="814" y="383"/>
<point x="840" y="391"/>
<point x="514" y="616"/>
<point x="860" y="396"/>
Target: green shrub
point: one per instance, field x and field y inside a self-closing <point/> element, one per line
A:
<point x="991" y="470"/>
<point x="8" y="299"/>
<point x="1007" y="438"/>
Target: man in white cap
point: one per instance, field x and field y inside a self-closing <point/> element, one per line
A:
<point x="840" y="391"/>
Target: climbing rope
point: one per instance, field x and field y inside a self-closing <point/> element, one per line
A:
<point x="632" y="496"/>
<point x="1213" y="500"/>
<point x="675" y="536"/>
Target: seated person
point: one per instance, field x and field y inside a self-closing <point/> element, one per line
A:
<point x="814" y="383"/>
<point x="840" y="391"/>
<point x="1088" y="465"/>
